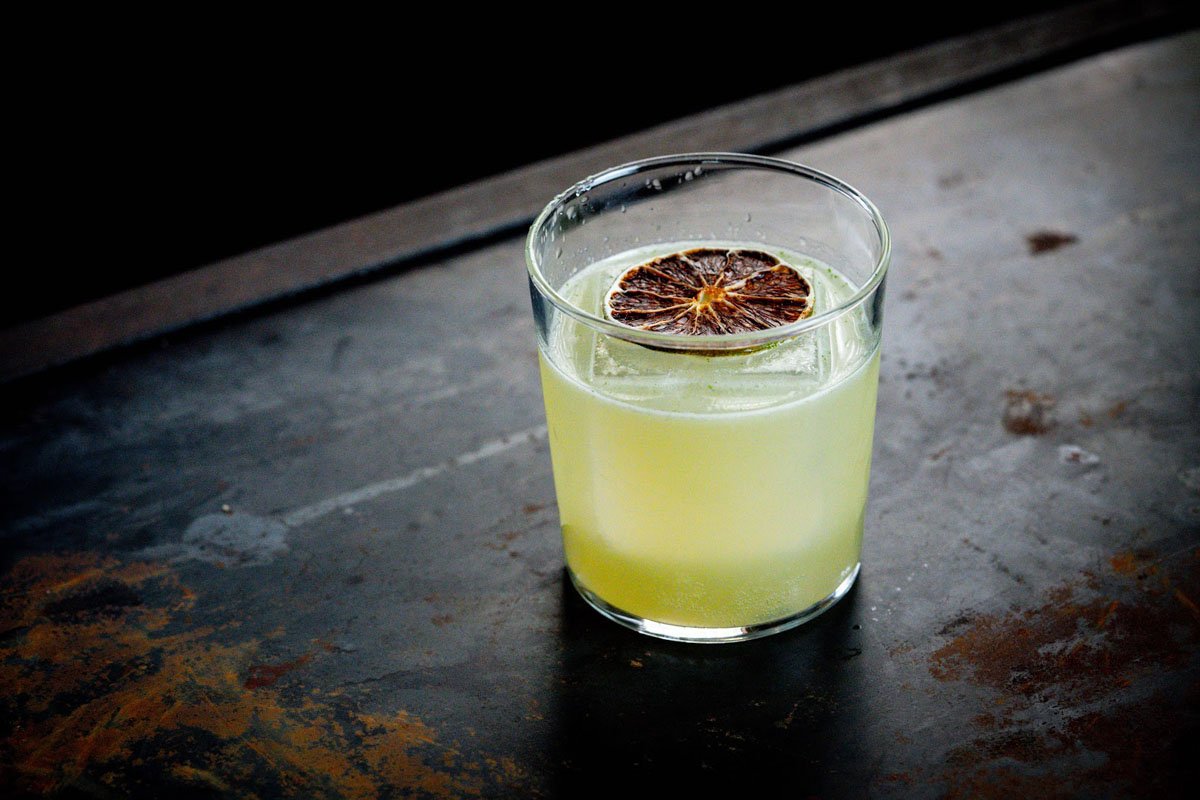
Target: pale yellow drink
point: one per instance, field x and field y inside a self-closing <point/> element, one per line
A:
<point x="711" y="491"/>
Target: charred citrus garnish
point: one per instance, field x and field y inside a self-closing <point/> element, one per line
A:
<point x="710" y="290"/>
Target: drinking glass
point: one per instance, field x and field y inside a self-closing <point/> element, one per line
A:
<point x="711" y="488"/>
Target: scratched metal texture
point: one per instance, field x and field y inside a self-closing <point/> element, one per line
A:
<point x="314" y="553"/>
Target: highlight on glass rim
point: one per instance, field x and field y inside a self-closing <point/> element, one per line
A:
<point x="709" y="330"/>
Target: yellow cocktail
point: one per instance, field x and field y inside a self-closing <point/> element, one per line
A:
<point x="709" y="493"/>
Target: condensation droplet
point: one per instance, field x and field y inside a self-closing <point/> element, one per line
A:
<point x="687" y="176"/>
<point x="748" y="217"/>
<point x="657" y="184"/>
<point x="558" y="253"/>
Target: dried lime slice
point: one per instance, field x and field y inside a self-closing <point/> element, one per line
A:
<point x="710" y="291"/>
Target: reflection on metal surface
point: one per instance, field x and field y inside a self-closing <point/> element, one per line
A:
<point x="308" y="513"/>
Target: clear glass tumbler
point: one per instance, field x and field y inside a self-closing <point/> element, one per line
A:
<point x="711" y="488"/>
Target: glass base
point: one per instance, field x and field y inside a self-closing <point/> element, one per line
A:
<point x="686" y="633"/>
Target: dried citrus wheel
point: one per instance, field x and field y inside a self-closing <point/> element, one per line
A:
<point x="710" y="290"/>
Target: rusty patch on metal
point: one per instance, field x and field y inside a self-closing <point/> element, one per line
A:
<point x="1098" y="417"/>
<point x="1101" y="667"/>
<point x="109" y="689"/>
<point x="1129" y="563"/>
<point x="1045" y="241"/>
<point x="264" y="675"/>
<point x="1027" y="413"/>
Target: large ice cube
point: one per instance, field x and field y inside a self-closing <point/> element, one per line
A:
<point x="691" y="382"/>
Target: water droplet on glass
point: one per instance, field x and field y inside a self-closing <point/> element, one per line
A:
<point x="698" y="171"/>
<point x="657" y="184"/>
<point x="624" y="208"/>
<point x="687" y="176"/>
<point x="558" y="253"/>
<point x="748" y="217"/>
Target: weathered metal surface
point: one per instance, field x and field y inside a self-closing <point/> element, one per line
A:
<point x="315" y="553"/>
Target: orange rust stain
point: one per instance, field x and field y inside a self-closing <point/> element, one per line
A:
<point x="984" y="721"/>
<point x="105" y="681"/>
<point x="264" y="675"/>
<point x="1027" y="413"/>
<point x="1088" y="640"/>
<point x="1124" y="563"/>
<point x="305" y="735"/>
<point x="396" y="765"/>
<point x="512" y="770"/>
<point x="200" y="776"/>
<point x="1107" y="613"/>
<point x="1041" y="649"/>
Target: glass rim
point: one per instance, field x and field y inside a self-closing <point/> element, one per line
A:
<point x="712" y="341"/>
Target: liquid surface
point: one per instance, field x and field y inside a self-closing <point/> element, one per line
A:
<point x="711" y="491"/>
<point x="686" y="382"/>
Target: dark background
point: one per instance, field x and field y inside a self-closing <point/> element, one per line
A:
<point x="146" y="147"/>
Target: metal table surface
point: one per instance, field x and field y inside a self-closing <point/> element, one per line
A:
<point x="314" y="552"/>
